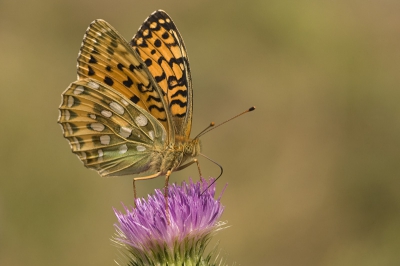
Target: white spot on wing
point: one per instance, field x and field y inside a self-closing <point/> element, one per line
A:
<point x="97" y="127"/>
<point x="78" y="90"/>
<point x="92" y="116"/>
<point x="100" y="152"/>
<point x="141" y="120"/>
<point x="70" y="101"/>
<point x="69" y="128"/>
<point x="125" y="132"/>
<point x="163" y="136"/>
<point x="124" y="102"/>
<point x="105" y="139"/>
<point x="151" y="134"/>
<point x="106" y="113"/>
<point x="117" y="108"/>
<point x="67" y="115"/>
<point x="140" y="148"/>
<point x="93" y="85"/>
<point x="76" y="143"/>
<point x="123" y="149"/>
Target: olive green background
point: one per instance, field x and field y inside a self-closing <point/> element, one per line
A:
<point x="313" y="173"/>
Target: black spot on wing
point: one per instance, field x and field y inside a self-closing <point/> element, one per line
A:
<point x="74" y="128"/>
<point x="165" y="35"/>
<point x="80" y="141"/>
<point x="143" y="44"/>
<point x="112" y="36"/>
<point x="148" y="36"/>
<point x="172" y="61"/>
<point x="92" y="60"/>
<point x="161" y="59"/>
<point x="110" y="51"/>
<point x="160" y="78"/>
<point x="72" y="114"/>
<point x="157" y="43"/>
<point x="173" y="82"/>
<point x="148" y="62"/>
<point x="90" y="71"/>
<point x="152" y="98"/>
<point x="114" y="44"/>
<point x="135" y="99"/>
<point x="96" y="140"/>
<point x="140" y="87"/>
<point x="180" y="115"/>
<point x="94" y="50"/>
<point x="108" y="81"/>
<point x="175" y="60"/>
<point x="159" y="109"/>
<point x="180" y="92"/>
<point x="128" y="83"/>
<point x="178" y="102"/>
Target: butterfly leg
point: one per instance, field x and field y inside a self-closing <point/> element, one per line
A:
<point x="198" y="167"/>
<point x="142" y="178"/>
<point x="166" y="196"/>
<point x="190" y="163"/>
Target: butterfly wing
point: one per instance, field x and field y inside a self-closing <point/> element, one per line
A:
<point x="161" y="47"/>
<point x="108" y="132"/>
<point x="107" y="57"/>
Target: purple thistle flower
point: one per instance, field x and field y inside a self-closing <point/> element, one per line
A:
<point x="147" y="237"/>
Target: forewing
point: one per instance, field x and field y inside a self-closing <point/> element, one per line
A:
<point x="108" y="132"/>
<point x="107" y="57"/>
<point x="160" y="45"/>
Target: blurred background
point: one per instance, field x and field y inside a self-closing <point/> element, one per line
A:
<point x="313" y="173"/>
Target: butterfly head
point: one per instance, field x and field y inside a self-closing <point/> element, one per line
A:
<point x="192" y="147"/>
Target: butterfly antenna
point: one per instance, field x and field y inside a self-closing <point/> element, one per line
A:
<point x="211" y="125"/>
<point x="208" y="129"/>
<point x="220" y="174"/>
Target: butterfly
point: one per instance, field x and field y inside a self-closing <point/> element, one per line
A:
<point x="130" y="111"/>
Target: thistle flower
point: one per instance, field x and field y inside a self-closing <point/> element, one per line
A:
<point x="147" y="239"/>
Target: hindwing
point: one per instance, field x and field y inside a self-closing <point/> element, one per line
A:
<point x="108" y="132"/>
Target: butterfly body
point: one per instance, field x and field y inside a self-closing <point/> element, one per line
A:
<point x="130" y="111"/>
<point x="174" y="157"/>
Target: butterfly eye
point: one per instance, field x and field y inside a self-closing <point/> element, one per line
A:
<point x="188" y="149"/>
